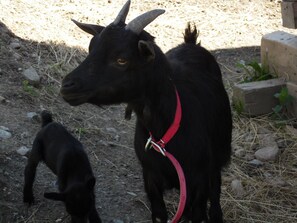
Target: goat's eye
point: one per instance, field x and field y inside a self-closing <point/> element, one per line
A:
<point x="121" y="61"/>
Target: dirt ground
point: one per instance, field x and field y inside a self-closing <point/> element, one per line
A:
<point x="40" y="34"/>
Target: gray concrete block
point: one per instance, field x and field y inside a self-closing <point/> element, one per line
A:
<point x="279" y="51"/>
<point x="257" y="98"/>
<point x="289" y="14"/>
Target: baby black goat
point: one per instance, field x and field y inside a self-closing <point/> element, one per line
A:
<point x="65" y="156"/>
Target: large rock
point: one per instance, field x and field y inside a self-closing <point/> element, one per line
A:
<point x="31" y="75"/>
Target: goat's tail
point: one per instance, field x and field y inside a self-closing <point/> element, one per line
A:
<point x="191" y="34"/>
<point x="46" y="118"/>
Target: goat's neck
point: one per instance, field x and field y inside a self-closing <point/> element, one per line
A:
<point x="156" y="112"/>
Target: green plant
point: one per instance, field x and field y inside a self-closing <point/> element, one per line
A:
<point x="284" y="99"/>
<point x="29" y="88"/>
<point x="238" y="106"/>
<point x="255" y="71"/>
<point x="80" y="131"/>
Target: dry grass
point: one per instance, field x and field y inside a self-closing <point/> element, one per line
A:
<point x="270" y="191"/>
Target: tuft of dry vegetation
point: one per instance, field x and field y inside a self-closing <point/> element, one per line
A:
<point x="54" y="46"/>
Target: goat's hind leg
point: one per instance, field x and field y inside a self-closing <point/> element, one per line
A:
<point x="154" y="190"/>
<point x="30" y="172"/>
<point x="199" y="201"/>
<point x="215" y="211"/>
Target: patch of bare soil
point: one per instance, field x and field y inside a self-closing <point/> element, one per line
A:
<point x="48" y="41"/>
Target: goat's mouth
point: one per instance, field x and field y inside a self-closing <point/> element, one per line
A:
<point x="75" y="99"/>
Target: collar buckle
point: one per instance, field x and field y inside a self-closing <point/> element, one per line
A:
<point x="158" y="146"/>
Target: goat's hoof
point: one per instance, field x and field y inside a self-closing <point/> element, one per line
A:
<point x="29" y="200"/>
<point x="158" y="220"/>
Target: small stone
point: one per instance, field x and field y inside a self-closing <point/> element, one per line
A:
<point x="4" y="133"/>
<point x="262" y="130"/>
<point x="248" y="137"/>
<point x="17" y="56"/>
<point x="267" y="140"/>
<point x="33" y="116"/>
<point x="277" y="182"/>
<point x="249" y="157"/>
<point x="291" y="130"/>
<point x="117" y="138"/>
<point x="117" y="221"/>
<point x="2" y="99"/>
<point x="23" y="150"/>
<point x="256" y="163"/>
<point x="25" y="135"/>
<point x="4" y="128"/>
<point x="103" y="143"/>
<point x="132" y="194"/>
<point x="237" y="188"/>
<point x="111" y="130"/>
<point x="15" y="45"/>
<point x="239" y="153"/>
<point x="267" y="153"/>
<point x="31" y="75"/>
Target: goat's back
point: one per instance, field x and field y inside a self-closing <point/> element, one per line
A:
<point x="59" y="147"/>
<point x="205" y="102"/>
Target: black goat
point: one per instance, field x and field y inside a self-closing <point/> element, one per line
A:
<point x="65" y="156"/>
<point x="124" y="65"/>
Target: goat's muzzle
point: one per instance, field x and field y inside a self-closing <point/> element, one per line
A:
<point x="71" y="92"/>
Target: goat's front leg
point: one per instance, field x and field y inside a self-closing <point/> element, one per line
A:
<point x="154" y="190"/>
<point x="94" y="216"/>
<point x="30" y="171"/>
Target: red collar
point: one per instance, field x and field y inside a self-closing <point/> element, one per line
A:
<point x="160" y="147"/>
<point x="172" y="129"/>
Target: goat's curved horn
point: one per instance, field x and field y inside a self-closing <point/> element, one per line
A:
<point x="89" y="28"/>
<point x="123" y="13"/>
<point x="140" y="22"/>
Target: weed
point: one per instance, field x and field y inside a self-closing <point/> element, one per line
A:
<point x="238" y="106"/>
<point x="80" y="131"/>
<point x="255" y="71"/>
<point x="29" y="88"/>
<point x="284" y="99"/>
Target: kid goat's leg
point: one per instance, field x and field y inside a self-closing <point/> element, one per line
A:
<point x="30" y="171"/>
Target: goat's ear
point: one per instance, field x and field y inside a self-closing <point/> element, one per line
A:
<point x="146" y="49"/>
<point x="91" y="183"/>
<point x="55" y="196"/>
<point x="89" y="28"/>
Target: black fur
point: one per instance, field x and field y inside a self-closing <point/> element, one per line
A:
<point x="145" y="81"/>
<point x="65" y="156"/>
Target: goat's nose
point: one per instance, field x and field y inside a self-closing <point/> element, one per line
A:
<point x="68" y="83"/>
